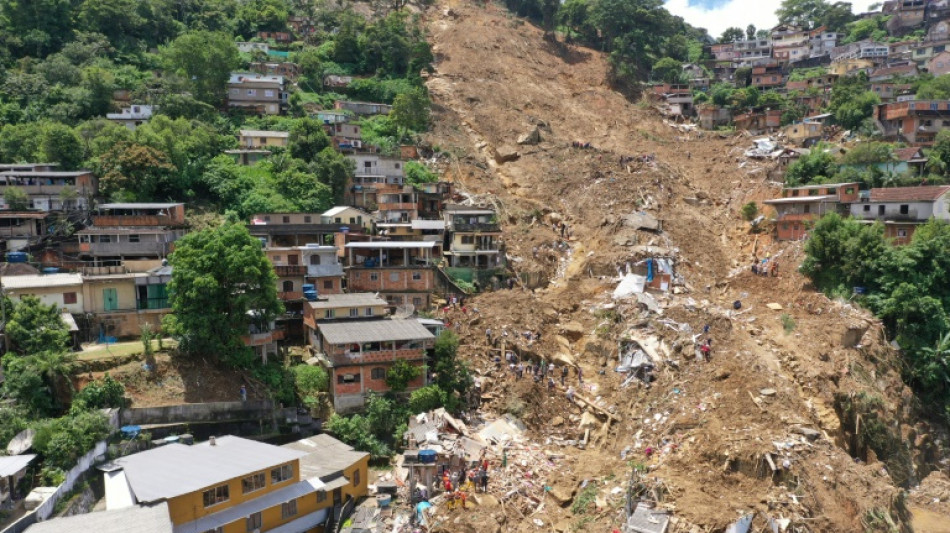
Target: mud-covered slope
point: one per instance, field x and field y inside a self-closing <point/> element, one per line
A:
<point x="775" y="373"/>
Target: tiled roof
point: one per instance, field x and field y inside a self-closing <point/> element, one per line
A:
<point x="906" y="154"/>
<point x="909" y="194"/>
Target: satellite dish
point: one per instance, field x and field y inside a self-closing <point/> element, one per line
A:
<point x="404" y="311"/>
<point x="22" y="442"/>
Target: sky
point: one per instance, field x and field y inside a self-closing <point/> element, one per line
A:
<point x="717" y="15"/>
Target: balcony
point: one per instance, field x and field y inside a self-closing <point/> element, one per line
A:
<point x="398" y="206"/>
<point x="157" y="249"/>
<point x="135" y="220"/>
<point x="487" y="227"/>
<point x="152" y="304"/>
<point x="290" y="270"/>
<point x="322" y="271"/>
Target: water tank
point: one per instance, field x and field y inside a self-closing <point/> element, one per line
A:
<point x="427" y="456"/>
<point x="50" y="270"/>
<point x="16" y="257"/>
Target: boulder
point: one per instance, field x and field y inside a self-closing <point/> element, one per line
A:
<point x="809" y="433"/>
<point x="562" y="495"/>
<point x="532" y="137"/>
<point x="573" y="331"/>
<point x="506" y="154"/>
<point x="641" y="220"/>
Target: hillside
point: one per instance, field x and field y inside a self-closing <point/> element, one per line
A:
<point x="774" y="376"/>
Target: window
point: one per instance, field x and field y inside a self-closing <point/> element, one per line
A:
<point x="277" y="258"/>
<point x="880" y="210"/>
<point x="262" y="140"/>
<point x="288" y="286"/>
<point x="417" y="302"/>
<point x="330" y="313"/>
<point x="374" y="276"/>
<point x="905" y="209"/>
<point x="266" y="218"/>
<point x="394" y="276"/>
<point x="348" y="378"/>
<point x="281" y="474"/>
<point x="314" y="260"/>
<point x="468" y="239"/>
<point x="354" y="313"/>
<point x="254" y="522"/>
<point x="812" y="192"/>
<point x="105" y="238"/>
<point x="216" y="495"/>
<point x="69" y="297"/>
<point x="306" y="219"/>
<point x="806" y="209"/>
<point x="902" y="233"/>
<point x="416" y="276"/>
<point x="369" y="311"/>
<point x="134" y="238"/>
<point x="219" y="529"/>
<point x="286" y="220"/>
<point x="328" y="285"/>
<point x="252" y="92"/>
<point x="321" y="496"/>
<point x="849" y="190"/>
<point x="356" y="477"/>
<point x="378" y="373"/>
<point x="288" y="509"/>
<point x="253" y="482"/>
<point x="867" y="208"/>
<point x="269" y="93"/>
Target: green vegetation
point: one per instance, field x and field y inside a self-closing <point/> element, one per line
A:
<point x="311" y="383"/>
<point x="585" y="498"/>
<point x="908" y="287"/>
<point x="101" y="393"/>
<point x="749" y="211"/>
<point x="788" y="323"/>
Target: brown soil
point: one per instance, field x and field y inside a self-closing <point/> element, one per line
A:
<point x="177" y="380"/>
<point x="497" y="79"/>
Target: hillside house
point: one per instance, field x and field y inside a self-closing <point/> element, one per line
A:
<point x="757" y="122"/>
<point x="345" y="136"/>
<point x="800" y="207"/>
<point x="61" y="290"/>
<point x="401" y="271"/>
<point x="262" y="94"/>
<point x="20" y="229"/>
<point x="363" y="108"/>
<point x="340" y="307"/>
<point x="824" y="83"/>
<point x="331" y="116"/>
<point x="888" y="92"/>
<point x="939" y="64"/>
<point x="133" y="116"/>
<point x="287" y="69"/>
<point x="358" y="355"/>
<point x="821" y="42"/>
<point x="335" y="81"/>
<point x="915" y="122"/>
<point x="299" y="229"/>
<point x="768" y="77"/>
<point x="132" y="231"/>
<point x="474" y="238"/>
<point x="902" y="209"/>
<point x="51" y="190"/>
<point x="723" y="52"/>
<point x="870" y="50"/>
<point x="904" y="14"/>
<point x="343" y="470"/>
<point x="119" y="304"/>
<point x="851" y="66"/>
<point x="350" y="216"/>
<point x="248" y="156"/>
<point x="276" y="36"/>
<point x="925" y="51"/>
<point x="259" y="139"/>
<point x="712" y="116"/>
<point x="249" y="47"/>
<point x="753" y="52"/>
<point x="803" y="133"/>
<point x="890" y="72"/>
<point x="229" y="484"/>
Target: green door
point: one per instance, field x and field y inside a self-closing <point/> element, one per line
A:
<point x="110" y="299"/>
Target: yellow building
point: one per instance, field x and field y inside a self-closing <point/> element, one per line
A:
<point x="263" y="139"/>
<point x="342" y="469"/>
<point x="848" y="66"/>
<point x="236" y="485"/>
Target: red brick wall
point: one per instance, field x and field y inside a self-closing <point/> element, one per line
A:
<point x="336" y="287"/>
<point x="361" y="279"/>
<point x="791" y="230"/>
<point x="374" y="357"/>
<point x="367" y="383"/>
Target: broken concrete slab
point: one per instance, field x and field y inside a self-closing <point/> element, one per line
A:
<point x="648" y="301"/>
<point x="562" y="495"/>
<point x="573" y="331"/>
<point x="532" y="137"/>
<point x="641" y="220"/>
<point x="852" y="337"/>
<point x="768" y="392"/>
<point x="506" y="154"/>
<point x="646" y="519"/>
<point x="808" y="433"/>
<point x="774" y="306"/>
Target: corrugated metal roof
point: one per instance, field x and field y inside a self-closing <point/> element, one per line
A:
<point x="428" y="224"/>
<point x="341" y="209"/>
<point x="138" y="206"/>
<point x="249" y="507"/>
<point x="45" y="173"/>
<point x="374" y="331"/>
<point x="357" y="299"/>
<point x="265" y="133"/>
<point x="137" y="519"/>
<point x="12" y="464"/>
<point x="176" y="469"/>
<point x="373" y="245"/>
<point x="325" y="456"/>
<point x="798" y="200"/>
<point x="909" y="194"/>
<point x="33" y="282"/>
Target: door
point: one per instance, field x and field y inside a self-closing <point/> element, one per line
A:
<point x="110" y="299"/>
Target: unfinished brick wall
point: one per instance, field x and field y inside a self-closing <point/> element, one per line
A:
<point x="390" y="279"/>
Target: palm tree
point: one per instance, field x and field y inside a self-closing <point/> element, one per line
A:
<point x="938" y="362"/>
<point x="55" y="366"/>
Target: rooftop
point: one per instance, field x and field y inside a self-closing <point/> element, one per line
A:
<point x="374" y="331"/>
<point x="333" y="211"/>
<point x="46" y="173"/>
<point x="800" y="200"/>
<point x="428" y="224"/>
<point x="253" y="77"/>
<point x="136" y="519"/>
<point x="23" y="214"/>
<point x="176" y="469"/>
<point x="35" y="282"/>
<point x="908" y="154"/>
<point x="10" y="465"/>
<point x="325" y="455"/>
<point x="255" y="505"/>
<point x="373" y="245"/>
<point x="138" y="206"/>
<point x="353" y="299"/>
<point x="265" y="133"/>
<point x="909" y="194"/>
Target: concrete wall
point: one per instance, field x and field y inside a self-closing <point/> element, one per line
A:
<point x="199" y="412"/>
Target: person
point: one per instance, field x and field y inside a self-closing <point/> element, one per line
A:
<point x="243" y="393"/>
<point x="484" y="480"/>
<point x="564" y="371"/>
<point x="544" y="366"/>
<point x="488" y="336"/>
<point x="580" y="376"/>
<point x="774" y="268"/>
<point x="570" y="394"/>
<point x="706" y="329"/>
<point x="705" y="349"/>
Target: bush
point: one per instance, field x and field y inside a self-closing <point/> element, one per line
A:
<point x="310" y="379"/>
<point x="788" y="323"/>
<point x="400" y="375"/>
<point x="105" y="392"/>
<point x="426" y="399"/>
<point x="62" y="441"/>
<point x="749" y="211"/>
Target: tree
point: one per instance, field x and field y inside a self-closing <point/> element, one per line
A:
<point x="400" y="374"/>
<point x="451" y="375"/>
<point x="749" y="211"/>
<point x="731" y="35"/>
<point x="837" y="16"/>
<point x="411" y="110"/>
<point x="41" y="26"/>
<point x="668" y="70"/>
<point x="134" y="172"/>
<point x="61" y="145"/>
<point x="204" y="60"/>
<point x="100" y="394"/>
<point x="334" y="170"/>
<point x="24" y="383"/>
<point x="575" y="16"/>
<point x="937" y="88"/>
<point x="417" y="173"/>
<point x="750" y="32"/>
<point x="804" y="13"/>
<point x="307" y="139"/>
<point x="220" y="278"/>
<point x="33" y="327"/>
<point x="815" y="166"/>
<point x="425" y="399"/>
<point x="852" y="114"/>
<point x="16" y="199"/>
